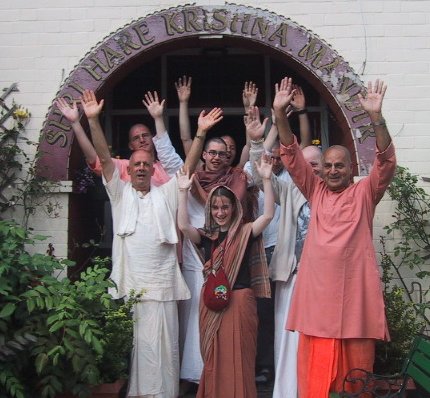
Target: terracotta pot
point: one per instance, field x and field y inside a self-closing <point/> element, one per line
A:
<point x="110" y="390"/>
<point x="107" y="390"/>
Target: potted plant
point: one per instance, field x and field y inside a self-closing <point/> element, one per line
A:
<point x="57" y="335"/>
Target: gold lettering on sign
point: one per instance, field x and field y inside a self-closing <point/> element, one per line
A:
<point x="281" y="33"/>
<point x="330" y="66"/>
<point x="191" y="21"/>
<point x="233" y="22"/>
<point x="365" y="132"/>
<point x="219" y="22"/>
<point x="141" y="31"/>
<point x="260" y="26"/>
<point x="52" y="137"/>
<point x="126" y="43"/>
<point x="77" y="87"/>
<point x="171" y="25"/>
<point x="346" y="85"/>
<point x="112" y="57"/>
<point x="310" y="52"/>
<point x="360" y="116"/>
<point x="351" y="104"/>
<point x="97" y="65"/>
<point x="245" y="24"/>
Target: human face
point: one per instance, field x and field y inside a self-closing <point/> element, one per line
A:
<point x="231" y="149"/>
<point x="140" y="138"/>
<point x="276" y="161"/>
<point x="313" y="156"/>
<point x="337" y="169"/>
<point x="215" y="156"/>
<point x="141" y="169"/>
<point x="222" y="211"/>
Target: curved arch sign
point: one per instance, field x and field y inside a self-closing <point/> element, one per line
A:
<point x="268" y="29"/>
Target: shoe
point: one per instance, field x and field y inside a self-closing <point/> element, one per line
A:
<point x="263" y="377"/>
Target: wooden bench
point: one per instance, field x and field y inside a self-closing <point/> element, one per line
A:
<point x="415" y="367"/>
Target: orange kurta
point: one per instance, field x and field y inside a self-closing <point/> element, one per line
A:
<point x="338" y="291"/>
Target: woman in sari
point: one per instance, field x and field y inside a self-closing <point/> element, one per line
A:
<point x="228" y="338"/>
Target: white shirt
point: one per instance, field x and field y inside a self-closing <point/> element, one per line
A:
<point x="141" y="260"/>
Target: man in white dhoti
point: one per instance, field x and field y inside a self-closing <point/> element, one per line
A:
<point x="144" y="256"/>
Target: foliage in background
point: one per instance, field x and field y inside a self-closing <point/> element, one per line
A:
<point x="56" y="335"/>
<point x="20" y="186"/>
<point x="406" y="316"/>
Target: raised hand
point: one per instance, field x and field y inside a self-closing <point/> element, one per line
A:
<point x="249" y="94"/>
<point x="254" y="128"/>
<point x="92" y="108"/>
<point x="372" y="101"/>
<point x="284" y="93"/>
<point x="70" y="112"/>
<point x="207" y="121"/>
<point x="264" y="167"/>
<point x="184" y="179"/>
<point x="154" y="106"/>
<point x="298" y="102"/>
<point x="183" y="88"/>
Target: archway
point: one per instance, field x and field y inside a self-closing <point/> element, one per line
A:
<point x="208" y="27"/>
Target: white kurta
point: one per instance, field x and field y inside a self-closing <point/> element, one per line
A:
<point x="191" y="362"/>
<point x="192" y="269"/>
<point x="144" y="258"/>
<point x="286" y="343"/>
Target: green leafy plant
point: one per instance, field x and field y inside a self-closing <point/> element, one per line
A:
<point x="20" y="186"/>
<point x="402" y="320"/>
<point x="57" y="335"/>
<point x="406" y="316"/>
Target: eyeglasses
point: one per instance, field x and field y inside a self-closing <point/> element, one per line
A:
<point x="143" y="164"/>
<point x="276" y="158"/>
<point x="221" y="154"/>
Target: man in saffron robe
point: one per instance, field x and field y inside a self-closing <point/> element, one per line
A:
<point x="337" y="305"/>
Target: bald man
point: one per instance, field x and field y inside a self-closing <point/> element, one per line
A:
<point x="337" y="304"/>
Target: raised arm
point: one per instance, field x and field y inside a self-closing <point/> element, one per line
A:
<point x="70" y="112"/>
<point x="183" y="88"/>
<point x="92" y="110"/>
<point x="284" y="94"/>
<point x="249" y="95"/>
<point x="254" y="128"/>
<point x="205" y="123"/>
<point x="249" y="98"/>
<point x="156" y="110"/>
<point x="272" y="135"/>
<point x="244" y="155"/>
<point x="184" y="184"/>
<point x="264" y="169"/>
<point x="298" y="103"/>
<point x="372" y="104"/>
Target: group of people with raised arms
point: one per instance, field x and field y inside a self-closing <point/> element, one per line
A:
<point x="250" y="220"/>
